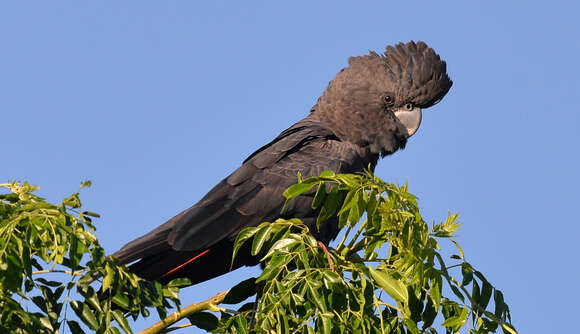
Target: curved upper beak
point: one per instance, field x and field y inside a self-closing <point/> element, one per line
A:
<point x="411" y="119"/>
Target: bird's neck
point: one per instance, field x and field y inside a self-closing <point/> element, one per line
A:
<point x="374" y="131"/>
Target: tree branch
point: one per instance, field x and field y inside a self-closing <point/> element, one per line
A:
<point x="209" y="304"/>
<point x="68" y="272"/>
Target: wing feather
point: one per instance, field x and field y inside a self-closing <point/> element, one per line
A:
<point x="253" y="193"/>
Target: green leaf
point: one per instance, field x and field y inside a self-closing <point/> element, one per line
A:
<point x="48" y="283"/>
<point x="500" y="306"/>
<point x="395" y="288"/>
<point x="92" y="214"/>
<point x="45" y="321"/>
<point x="74" y="255"/>
<point x="166" y="292"/>
<point x="327" y="173"/>
<point x="415" y="305"/>
<point x="355" y="212"/>
<point x="319" y="196"/>
<point x="122" y="321"/>
<point x="280" y="246"/>
<point x="429" y="314"/>
<point x="40" y="302"/>
<point x="121" y="301"/>
<point x="90" y="297"/>
<point x="508" y="328"/>
<point x="179" y="282"/>
<point x="273" y="268"/>
<point x="204" y="320"/>
<point x="458" y="320"/>
<point x="241" y="238"/>
<point x="351" y="180"/>
<point x="486" y="290"/>
<point x="86" y="184"/>
<point x="28" y="285"/>
<point x="372" y="203"/>
<point x="73" y="201"/>
<point x="260" y="238"/>
<point x="241" y="291"/>
<point x="370" y="249"/>
<point x="411" y="326"/>
<point x="85" y="314"/>
<point x="326" y="322"/>
<point x="456" y="291"/>
<point x="109" y="277"/>
<point x="242" y="324"/>
<point x="331" y="277"/>
<point x="12" y="276"/>
<point x="114" y="330"/>
<point x="467" y="273"/>
<point x="297" y="189"/>
<point x="464" y="314"/>
<point x="331" y="205"/>
<point x="452" y="321"/>
<point x="74" y="327"/>
<point x="315" y="296"/>
<point x="476" y="294"/>
<point x="462" y="255"/>
<point x="342" y="219"/>
<point x="435" y="289"/>
<point x="348" y="201"/>
<point x="97" y="256"/>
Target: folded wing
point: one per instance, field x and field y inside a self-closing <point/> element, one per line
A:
<point x="249" y="196"/>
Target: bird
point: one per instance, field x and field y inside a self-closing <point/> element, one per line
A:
<point x="368" y="111"/>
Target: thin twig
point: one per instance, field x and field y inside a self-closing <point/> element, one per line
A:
<point x="74" y="273"/>
<point x="209" y="304"/>
<point x="171" y="329"/>
<point x="341" y="244"/>
<point x="357" y="234"/>
<point x="330" y="264"/>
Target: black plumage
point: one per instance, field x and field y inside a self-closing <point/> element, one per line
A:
<point x="356" y="121"/>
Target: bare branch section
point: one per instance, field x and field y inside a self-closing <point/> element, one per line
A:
<point x="209" y="304"/>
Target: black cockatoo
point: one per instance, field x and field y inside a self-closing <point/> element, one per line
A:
<point x="368" y="110"/>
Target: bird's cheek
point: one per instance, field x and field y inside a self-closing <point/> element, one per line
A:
<point x="411" y="119"/>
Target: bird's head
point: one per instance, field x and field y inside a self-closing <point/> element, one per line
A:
<point x="377" y="100"/>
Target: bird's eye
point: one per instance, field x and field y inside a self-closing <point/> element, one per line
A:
<point x="389" y="100"/>
<point x="409" y="106"/>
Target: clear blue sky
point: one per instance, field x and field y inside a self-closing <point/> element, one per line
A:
<point x="155" y="102"/>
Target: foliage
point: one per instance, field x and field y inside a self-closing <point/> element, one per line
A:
<point x="386" y="275"/>
<point x="49" y="255"/>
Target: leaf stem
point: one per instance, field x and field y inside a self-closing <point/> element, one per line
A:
<point x="341" y="244"/>
<point x="357" y="234"/>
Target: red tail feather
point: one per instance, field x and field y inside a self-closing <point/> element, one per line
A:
<point x="186" y="263"/>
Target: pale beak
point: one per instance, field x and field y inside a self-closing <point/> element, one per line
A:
<point x="411" y="119"/>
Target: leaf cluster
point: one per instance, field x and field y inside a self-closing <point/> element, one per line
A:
<point x="386" y="275"/>
<point x="51" y="260"/>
